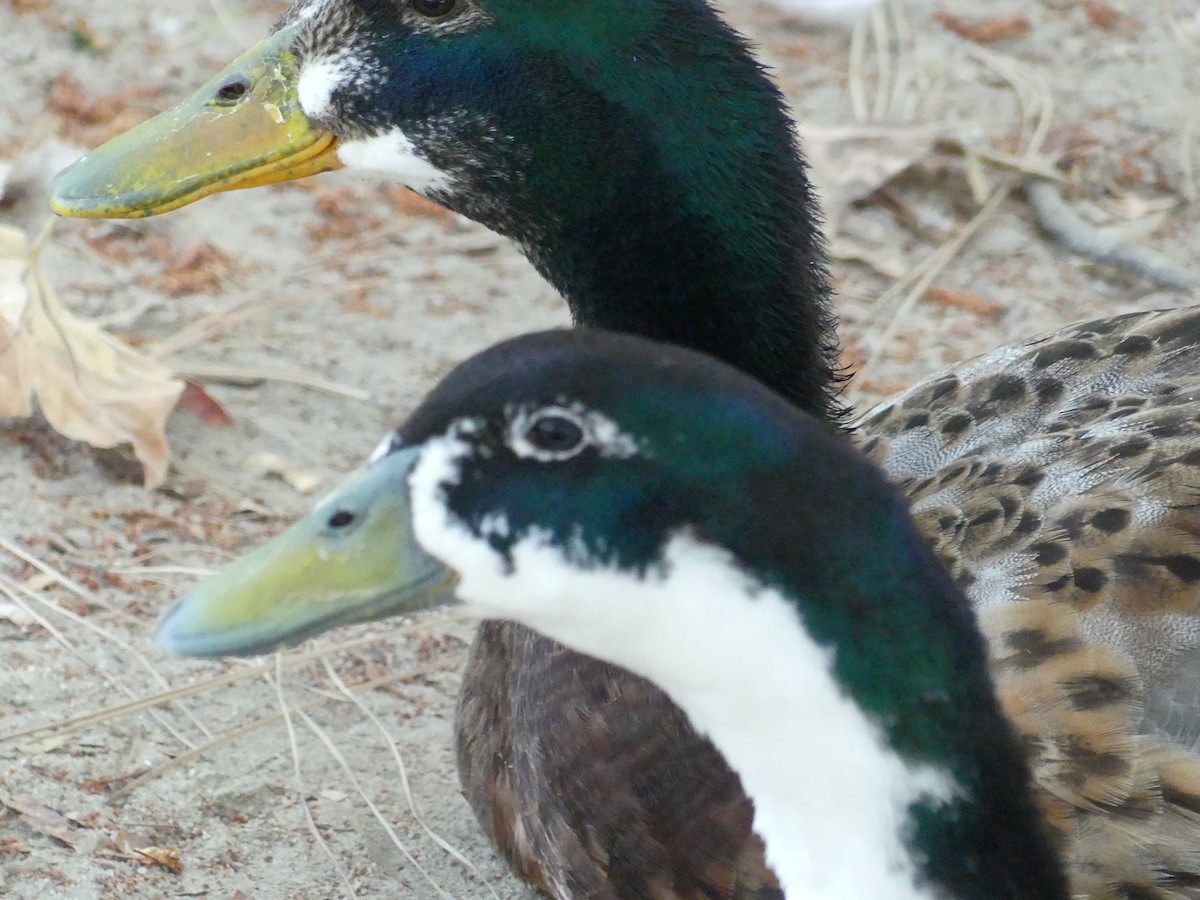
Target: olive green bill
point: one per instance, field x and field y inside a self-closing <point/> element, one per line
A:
<point x="243" y="129"/>
<point x="352" y="559"/>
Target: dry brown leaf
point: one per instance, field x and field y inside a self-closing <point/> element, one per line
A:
<point x="968" y="300"/>
<point x="41" y="818"/>
<point x="166" y="857"/>
<point x="197" y="268"/>
<point x="201" y="404"/>
<point x="984" y="31"/>
<point x="1103" y="16"/>
<point x="11" y="845"/>
<point x="138" y="847"/>
<point x="89" y="386"/>
<point x="87" y="119"/>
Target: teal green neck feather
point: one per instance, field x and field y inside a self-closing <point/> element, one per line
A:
<point x="648" y="168"/>
<point x="905" y="642"/>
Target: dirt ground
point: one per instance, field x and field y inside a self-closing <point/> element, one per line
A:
<point x="339" y="301"/>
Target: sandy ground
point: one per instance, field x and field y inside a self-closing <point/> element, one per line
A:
<point x="376" y="293"/>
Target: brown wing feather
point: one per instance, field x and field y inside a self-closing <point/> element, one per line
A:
<point x="592" y="782"/>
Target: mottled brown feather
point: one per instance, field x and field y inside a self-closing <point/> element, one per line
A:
<point x="1060" y="479"/>
<point x="1059" y="482"/>
<point x="595" y="783"/>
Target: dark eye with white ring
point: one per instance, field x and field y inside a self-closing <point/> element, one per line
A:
<point x="555" y="434"/>
<point x="435" y="10"/>
<point x="561" y="431"/>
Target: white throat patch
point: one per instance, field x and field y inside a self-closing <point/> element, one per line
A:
<point x="395" y="155"/>
<point x="831" y="798"/>
<point x="318" y="80"/>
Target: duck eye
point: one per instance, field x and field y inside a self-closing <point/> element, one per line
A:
<point x="434" y="9"/>
<point x="341" y="519"/>
<point x="555" y="433"/>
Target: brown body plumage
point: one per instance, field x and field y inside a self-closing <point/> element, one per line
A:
<point x="531" y="759"/>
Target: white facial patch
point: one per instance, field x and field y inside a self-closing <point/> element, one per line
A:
<point x="831" y="797"/>
<point x="395" y="155"/>
<point x="438" y="466"/>
<point x="319" y="79"/>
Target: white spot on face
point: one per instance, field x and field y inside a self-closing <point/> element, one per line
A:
<point x="309" y="10"/>
<point x="317" y="82"/>
<point x="383" y="448"/>
<point x="439" y="467"/>
<point x="394" y="154"/>
<point x="831" y="798"/>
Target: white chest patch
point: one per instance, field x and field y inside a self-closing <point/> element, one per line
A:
<point x="831" y="797"/>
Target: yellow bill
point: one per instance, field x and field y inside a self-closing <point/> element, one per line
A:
<point x="243" y="129"/>
<point x="353" y="558"/>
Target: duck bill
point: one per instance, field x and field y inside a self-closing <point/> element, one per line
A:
<point x="243" y="129"/>
<point x="324" y="571"/>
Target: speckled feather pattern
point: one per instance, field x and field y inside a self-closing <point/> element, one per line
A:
<point x="1059" y="480"/>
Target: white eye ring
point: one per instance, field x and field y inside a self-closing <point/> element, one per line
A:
<point x="549" y="434"/>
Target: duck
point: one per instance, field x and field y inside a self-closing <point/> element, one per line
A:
<point x="650" y="506"/>
<point x="669" y="199"/>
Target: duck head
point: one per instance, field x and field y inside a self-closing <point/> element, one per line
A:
<point x="493" y="107"/>
<point x="549" y="453"/>
<point x="634" y="150"/>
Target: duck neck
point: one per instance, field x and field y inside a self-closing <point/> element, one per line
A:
<point x="748" y="289"/>
<point x="909" y="789"/>
<point x="661" y="192"/>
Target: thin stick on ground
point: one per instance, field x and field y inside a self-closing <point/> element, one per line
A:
<point x="1071" y="230"/>
<point x="324" y="738"/>
<point x="245" y="309"/>
<point x="70" y="584"/>
<point x="301" y="788"/>
<point x="234" y="734"/>
<point x="193" y="368"/>
<point x="928" y="269"/>
<point x="1036" y="112"/>
<point x="13" y="590"/>
<point x="449" y="848"/>
<point x="141" y="704"/>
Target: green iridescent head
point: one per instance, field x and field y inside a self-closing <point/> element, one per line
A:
<point x="634" y="149"/>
